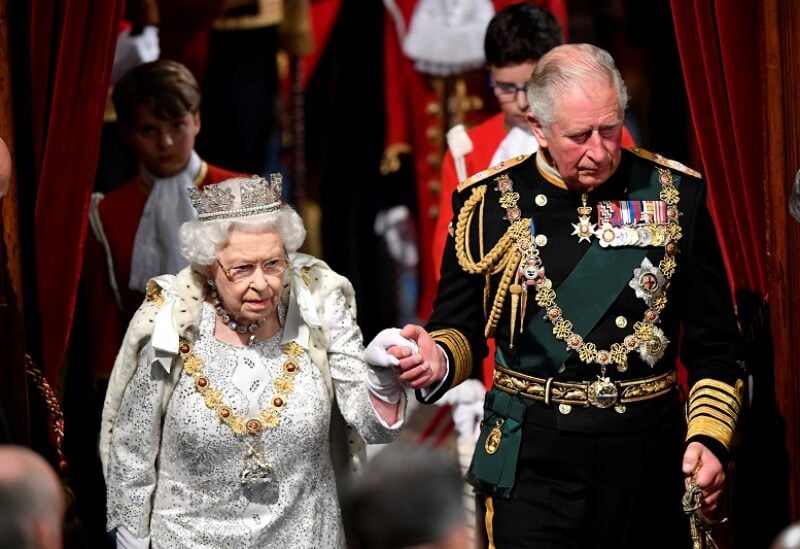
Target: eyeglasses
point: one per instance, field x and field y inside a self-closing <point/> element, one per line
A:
<point x="243" y="271"/>
<point x="507" y="90"/>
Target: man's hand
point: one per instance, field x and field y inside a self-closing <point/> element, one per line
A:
<point x="423" y="366"/>
<point x="709" y="474"/>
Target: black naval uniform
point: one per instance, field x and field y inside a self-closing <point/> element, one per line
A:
<point x="559" y="470"/>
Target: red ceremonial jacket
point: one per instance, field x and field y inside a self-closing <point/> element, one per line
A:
<point x="119" y="212"/>
<point x="415" y="124"/>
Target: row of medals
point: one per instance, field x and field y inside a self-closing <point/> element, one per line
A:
<point x="641" y="234"/>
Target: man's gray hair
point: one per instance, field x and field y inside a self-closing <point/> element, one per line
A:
<point x="566" y="67"/>
<point x="201" y="241"/>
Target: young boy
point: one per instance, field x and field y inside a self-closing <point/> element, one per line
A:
<point x="134" y="227"/>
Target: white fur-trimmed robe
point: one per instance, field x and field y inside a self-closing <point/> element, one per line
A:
<point x="179" y="300"/>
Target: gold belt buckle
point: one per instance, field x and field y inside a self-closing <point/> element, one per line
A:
<point x="602" y="393"/>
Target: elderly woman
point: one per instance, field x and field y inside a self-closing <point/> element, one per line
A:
<point x="218" y="419"/>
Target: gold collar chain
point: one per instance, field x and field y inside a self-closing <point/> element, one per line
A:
<point x="267" y="418"/>
<point x="646" y="337"/>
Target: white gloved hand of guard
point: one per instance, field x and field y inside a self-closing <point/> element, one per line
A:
<point x="382" y="378"/>
<point x="467" y="402"/>
<point x="128" y="540"/>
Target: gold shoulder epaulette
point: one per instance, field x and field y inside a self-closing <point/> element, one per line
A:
<point x="489" y="172"/>
<point x="666" y="162"/>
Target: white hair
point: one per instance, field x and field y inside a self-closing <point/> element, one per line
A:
<point x="565" y="67"/>
<point x="201" y="241"/>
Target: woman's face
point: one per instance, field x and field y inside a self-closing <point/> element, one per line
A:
<point x="246" y="276"/>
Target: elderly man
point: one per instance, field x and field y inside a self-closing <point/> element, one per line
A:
<point x="593" y="267"/>
<point x="31" y="500"/>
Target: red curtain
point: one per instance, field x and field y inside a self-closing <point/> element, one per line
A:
<point x="720" y="49"/>
<point x="720" y="58"/>
<point x="71" y="53"/>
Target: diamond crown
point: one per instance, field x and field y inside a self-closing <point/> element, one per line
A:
<point x="237" y="197"/>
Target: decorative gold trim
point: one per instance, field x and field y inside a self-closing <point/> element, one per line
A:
<point x="644" y="331"/>
<point x="714" y="413"/>
<point x="267" y="418"/>
<point x="390" y="162"/>
<point x="730" y="407"/>
<point x="154" y="295"/>
<point x="712" y="428"/>
<point x="579" y="393"/>
<point x="714" y="401"/>
<point x="714" y="409"/>
<point x="501" y="257"/>
<point x="270" y="12"/>
<point x="459" y="347"/>
<point x="96" y="223"/>
<point x="201" y="175"/>
<point x="489" y="172"/>
<point x="713" y="385"/>
<point x="548" y="170"/>
<point x="305" y="274"/>
<point x="487" y="521"/>
<point x="666" y="162"/>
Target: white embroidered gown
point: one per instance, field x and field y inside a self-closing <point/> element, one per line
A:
<point x="187" y="493"/>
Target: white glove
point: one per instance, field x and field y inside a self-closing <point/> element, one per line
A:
<point x="127" y="540"/>
<point x="467" y="402"/>
<point x="382" y="378"/>
<point x="397" y="228"/>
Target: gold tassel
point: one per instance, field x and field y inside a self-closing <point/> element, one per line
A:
<point x="515" y="290"/>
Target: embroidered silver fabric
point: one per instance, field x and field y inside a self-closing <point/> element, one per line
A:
<point x="187" y="493"/>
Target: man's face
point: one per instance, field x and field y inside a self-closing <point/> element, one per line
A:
<point x="584" y="141"/>
<point x="509" y="83"/>
<point x="163" y="146"/>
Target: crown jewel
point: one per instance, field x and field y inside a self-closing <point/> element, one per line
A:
<point x="237" y="197"/>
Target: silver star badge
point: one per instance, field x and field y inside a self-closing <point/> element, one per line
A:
<point x="648" y="282"/>
<point x="583" y="229"/>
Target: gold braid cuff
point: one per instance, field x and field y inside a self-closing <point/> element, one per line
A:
<point x="713" y="409"/>
<point x="459" y="348"/>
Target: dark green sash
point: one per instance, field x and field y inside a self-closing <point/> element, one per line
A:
<point x="584" y="297"/>
<point x="494" y="474"/>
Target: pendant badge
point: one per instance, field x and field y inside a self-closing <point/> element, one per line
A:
<point x="492" y="443"/>
<point x="256" y="468"/>
<point x="584" y="228"/>
<point x="602" y="393"/>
